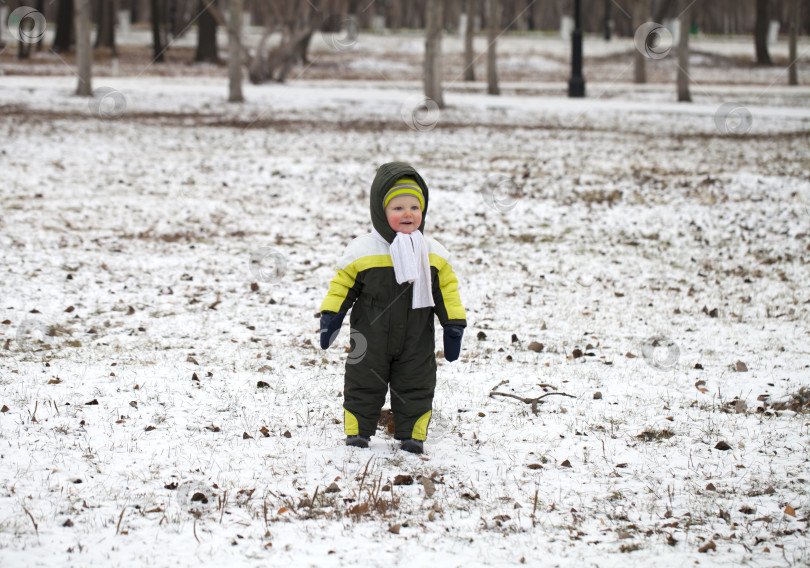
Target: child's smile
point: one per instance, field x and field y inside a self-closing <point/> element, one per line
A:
<point x="404" y="214"/>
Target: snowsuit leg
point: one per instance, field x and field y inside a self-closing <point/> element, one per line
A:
<point x="391" y="344"/>
<point x="413" y="383"/>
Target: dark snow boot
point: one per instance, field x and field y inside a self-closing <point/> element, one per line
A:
<point x="413" y="446"/>
<point x="357" y="441"/>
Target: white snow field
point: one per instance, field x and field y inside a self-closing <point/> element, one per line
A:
<point x="164" y="255"/>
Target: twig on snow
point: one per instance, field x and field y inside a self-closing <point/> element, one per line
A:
<point x="120" y="518"/>
<point x="365" y="471"/>
<point x="533" y="401"/>
<point x="36" y="528"/>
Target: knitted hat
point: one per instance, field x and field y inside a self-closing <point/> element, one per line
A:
<point x="405" y="186"/>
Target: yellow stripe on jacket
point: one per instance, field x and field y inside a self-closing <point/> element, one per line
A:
<point x="367" y="252"/>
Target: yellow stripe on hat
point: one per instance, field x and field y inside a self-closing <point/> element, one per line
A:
<point x="405" y="187"/>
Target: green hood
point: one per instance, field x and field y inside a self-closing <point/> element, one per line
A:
<point x="387" y="175"/>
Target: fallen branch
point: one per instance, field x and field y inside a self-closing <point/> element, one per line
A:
<point x="533" y="401"/>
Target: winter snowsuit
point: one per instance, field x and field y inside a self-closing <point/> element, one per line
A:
<point x="392" y="343"/>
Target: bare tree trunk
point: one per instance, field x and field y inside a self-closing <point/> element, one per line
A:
<point x="206" y="34"/>
<point x="84" y="52"/>
<point x="105" y="32"/>
<point x="640" y="14"/>
<point x="664" y="7"/>
<point x="235" y="53"/>
<point x="433" y="52"/>
<point x="41" y="10"/>
<point x="157" y="37"/>
<point x="493" y="29"/>
<point x="469" y="36"/>
<point x="298" y="22"/>
<point x="64" y="27"/>
<point x="793" y="75"/>
<point x="761" y="33"/>
<point x="683" y="57"/>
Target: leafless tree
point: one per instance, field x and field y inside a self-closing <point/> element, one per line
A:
<point x="63" y="40"/>
<point x="493" y="29"/>
<point x="683" y="54"/>
<point x="157" y="35"/>
<point x="297" y="21"/>
<point x="207" y="32"/>
<point x="469" y="36"/>
<point x="433" y="52"/>
<point x="235" y="53"/>
<point x="84" y="53"/>
<point x="793" y="75"/>
<point x="761" y="33"/>
<point x="106" y="16"/>
<point x="641" y="10"/>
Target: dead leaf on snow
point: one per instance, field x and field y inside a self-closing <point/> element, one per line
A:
<point x="535" y="346"/>
<point x="707" y="547"/>
<point x="360" y="509"/>
<point x="428" y="485"/>
<point x="403" y="480"/>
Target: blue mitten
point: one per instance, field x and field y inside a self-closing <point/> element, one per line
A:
<point x="330" y="327"/>
<point x="452" y="341"/>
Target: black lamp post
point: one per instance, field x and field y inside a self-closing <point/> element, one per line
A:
<point x="576" y="84"/>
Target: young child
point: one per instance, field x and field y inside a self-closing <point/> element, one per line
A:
<point x="396" y="279"/>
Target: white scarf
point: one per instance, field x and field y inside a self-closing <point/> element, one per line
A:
<point x="409" y="254"/>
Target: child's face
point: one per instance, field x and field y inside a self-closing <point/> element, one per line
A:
<point x="404" y="214"/>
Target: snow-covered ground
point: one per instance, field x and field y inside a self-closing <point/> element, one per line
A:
<point x="164" y="254"/>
